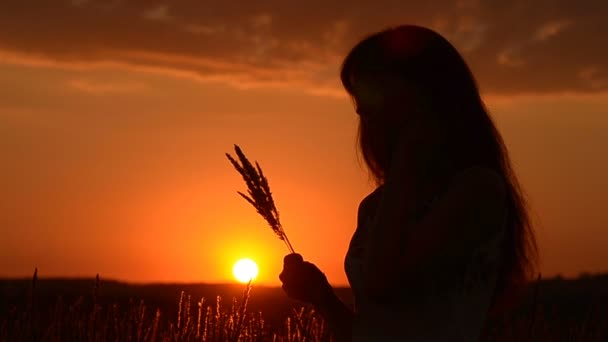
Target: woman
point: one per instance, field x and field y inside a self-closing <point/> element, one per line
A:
<point x="445" y="238"/>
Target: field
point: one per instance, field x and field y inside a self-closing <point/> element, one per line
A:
<point x="99" y="310"/>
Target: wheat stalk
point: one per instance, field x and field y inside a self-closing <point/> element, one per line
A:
<point x="260" y="196"/>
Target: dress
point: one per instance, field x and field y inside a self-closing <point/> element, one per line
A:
<point x="457" y="307"/>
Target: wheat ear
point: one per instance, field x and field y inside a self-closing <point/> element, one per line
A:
<point x="260" y="196"/>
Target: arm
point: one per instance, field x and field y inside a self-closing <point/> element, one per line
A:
<point x="337" y="315"/>
<point x="464" y="217"/>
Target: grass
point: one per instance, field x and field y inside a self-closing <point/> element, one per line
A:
<point x="95" y="318"/>
<point x="87" y="319"/>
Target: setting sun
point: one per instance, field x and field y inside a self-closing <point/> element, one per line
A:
<point x="245" y="270"/>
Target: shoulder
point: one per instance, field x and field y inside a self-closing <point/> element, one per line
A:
<point x="368" y="203"/>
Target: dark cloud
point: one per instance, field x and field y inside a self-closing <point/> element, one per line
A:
<point x="513" y="46"/>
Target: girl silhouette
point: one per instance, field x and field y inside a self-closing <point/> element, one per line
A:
<point x="445" y="239"/>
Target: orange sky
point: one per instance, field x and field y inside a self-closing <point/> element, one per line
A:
<point x="114" y="121"/>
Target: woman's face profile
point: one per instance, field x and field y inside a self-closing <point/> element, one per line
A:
<point x="386" y="99"/>
<point x="388" y="105"/>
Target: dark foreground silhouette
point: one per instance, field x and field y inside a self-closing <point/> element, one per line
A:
<point x="62" y="309"/>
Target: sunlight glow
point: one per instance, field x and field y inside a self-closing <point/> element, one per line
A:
<point x="245" y="270"/>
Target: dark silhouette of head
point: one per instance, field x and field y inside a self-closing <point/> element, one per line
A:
<point x="411" y="79"/>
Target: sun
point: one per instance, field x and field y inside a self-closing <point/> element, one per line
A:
<point x="245" y="270"/>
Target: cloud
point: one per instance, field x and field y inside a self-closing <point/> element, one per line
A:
<point x="551" y="29"/>
<point x="105" y="88"/>
<point x="158" y="13"/>
<point x="511" y="57"/>
<point x="595" y="76"/>
<point x="515" y="47"/>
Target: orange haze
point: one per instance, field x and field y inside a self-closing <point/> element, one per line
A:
<point x="112" y="141"/>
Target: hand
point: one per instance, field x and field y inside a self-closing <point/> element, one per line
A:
<point x="304" y="281"/>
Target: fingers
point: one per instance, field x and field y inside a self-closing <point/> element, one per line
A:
<point x="291" y="283"/>
<point x="291" y="269"/>
<point x="302" y="280"/>
<point x="301" y="274"/>
<point x="295" y="276"/>
<point x="292" y="258"/>
<point x="291" y="264"/>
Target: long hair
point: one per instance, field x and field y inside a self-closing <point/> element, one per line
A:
<point x="425" y="59"/>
